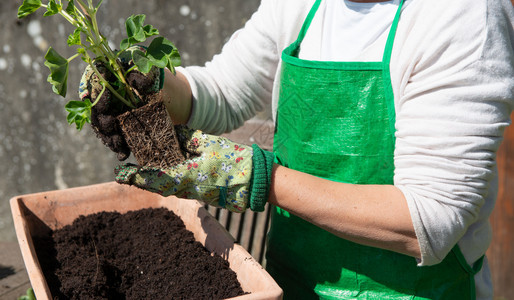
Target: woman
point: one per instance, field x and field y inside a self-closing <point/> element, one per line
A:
<point x="388" y="117"/>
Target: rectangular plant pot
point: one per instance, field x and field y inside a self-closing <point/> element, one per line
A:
<point x="36" y="214"/>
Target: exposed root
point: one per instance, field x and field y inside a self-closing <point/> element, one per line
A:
<point x="151" y="136"/>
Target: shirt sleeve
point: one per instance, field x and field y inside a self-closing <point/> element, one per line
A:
<point x="454" y="96"/>
<point x="238" y="82"/>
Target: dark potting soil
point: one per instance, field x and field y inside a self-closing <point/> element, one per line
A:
<point x="145" y="254"/>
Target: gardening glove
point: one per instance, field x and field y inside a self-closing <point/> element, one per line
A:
<point x="104" y="113"/>
<point x="225" y="174"/>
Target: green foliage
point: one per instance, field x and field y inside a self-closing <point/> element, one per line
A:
<point x="58" y="66"/>
<point x="70" y="9"/>
<point x="74" y="38"/>
<point x="163" y="54"/>
<point x="79" y="112"/>
<point x="29" y="295"/>
<point x="28" y="7"/>
<point x="137" y="32"/>
<point x="82" y="15"/>
<point x="52" y="8"/>
<point x="141" y="61"/>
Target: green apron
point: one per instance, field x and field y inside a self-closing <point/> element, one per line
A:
<point x="335" y="120"/>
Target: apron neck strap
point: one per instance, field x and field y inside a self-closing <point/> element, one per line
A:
<point x="305" y="26"/>
<point x="392" y="33"/>
<point x="390" y="39"/>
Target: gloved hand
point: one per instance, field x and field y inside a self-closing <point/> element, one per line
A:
<point x="104" y="113"/>
<point x="225" y="174"/>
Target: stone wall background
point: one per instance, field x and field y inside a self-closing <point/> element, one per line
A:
<point x="39" y="151"/>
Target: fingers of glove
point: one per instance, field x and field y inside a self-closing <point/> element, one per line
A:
<point x="106" y="126"/>
<point x="162" y="181"/>
<point x="234" y="199"/>
<point x="202" y="179"/>
<point x="237" y="198"/>
<point x="125" y="173"/>
<point x="116" y="143"/>
<point x="90" y="82"/>
<point x="112" y="138"/>
<point x="119" y="146"/>
<point x="222" y="148"/>
<point x="84" y="87"/>
<point x="134" y="175"/>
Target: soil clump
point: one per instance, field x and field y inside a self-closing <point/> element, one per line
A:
<point x="144" y="254"/>
<point x="145" y="131"/>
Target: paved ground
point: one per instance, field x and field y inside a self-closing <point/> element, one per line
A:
<point x="14" y="280"/>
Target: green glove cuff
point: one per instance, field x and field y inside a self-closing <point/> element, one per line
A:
<point x="261" y="178"/>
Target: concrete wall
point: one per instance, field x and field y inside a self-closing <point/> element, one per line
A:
<point x="39" y="151"/>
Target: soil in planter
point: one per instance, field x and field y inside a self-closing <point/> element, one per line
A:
<point x="144" y="254"/>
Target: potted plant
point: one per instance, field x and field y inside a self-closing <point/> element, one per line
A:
<point x="124" y="77"/>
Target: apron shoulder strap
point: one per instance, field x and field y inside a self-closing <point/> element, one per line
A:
<point x="392" y="33"/>
<point x="306" y="24"/>
<point x="386" y="60"/>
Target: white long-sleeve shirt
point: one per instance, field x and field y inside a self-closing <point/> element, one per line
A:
<point x="452" y="72"/>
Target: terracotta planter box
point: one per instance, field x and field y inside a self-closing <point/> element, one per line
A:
<point x="33" y="214"/>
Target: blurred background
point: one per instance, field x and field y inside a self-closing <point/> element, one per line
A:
<point x="39" y="151"/>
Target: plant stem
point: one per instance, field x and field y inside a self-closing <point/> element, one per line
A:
<point x="69" y="18"/>
<point x="73" y="57"/>
<point x="99" y="95"/>
<point x="108" y="85"/>
<point x="99" y="42"/>
<point x="131" y="69"/>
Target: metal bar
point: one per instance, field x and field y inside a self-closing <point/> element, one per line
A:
<point x="240" y="229"/>
<point x="265" y="235"/>
<point x="229" y="219"/>
<point x="218" y="213"/>
<point x="252" y="232"/>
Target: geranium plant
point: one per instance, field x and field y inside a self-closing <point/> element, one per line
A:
<point x="93" y="47"/>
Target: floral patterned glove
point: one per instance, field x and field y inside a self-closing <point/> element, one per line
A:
<point x="225" y="174"/>
<point x="104" y="113"/>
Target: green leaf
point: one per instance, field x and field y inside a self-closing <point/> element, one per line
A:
<point x="74" y="38"/>
<point x="162" y="53"/>
<point x="83" y="56"/>
<point x="134" y="26"/>
<point x="28" y="7"/>
<point x="58" y="66"/>
<point x="29" y="295"/>
<point x="52" y="8"/>
<point x="150" y="30"/>
<point x="125" y="43"/>
<point x="175" y="59"/>
<point x="79" y="112"/>
<point x="141" y="61"/>
<point x="70" y="9"/>
<point x="137" y="32"/>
